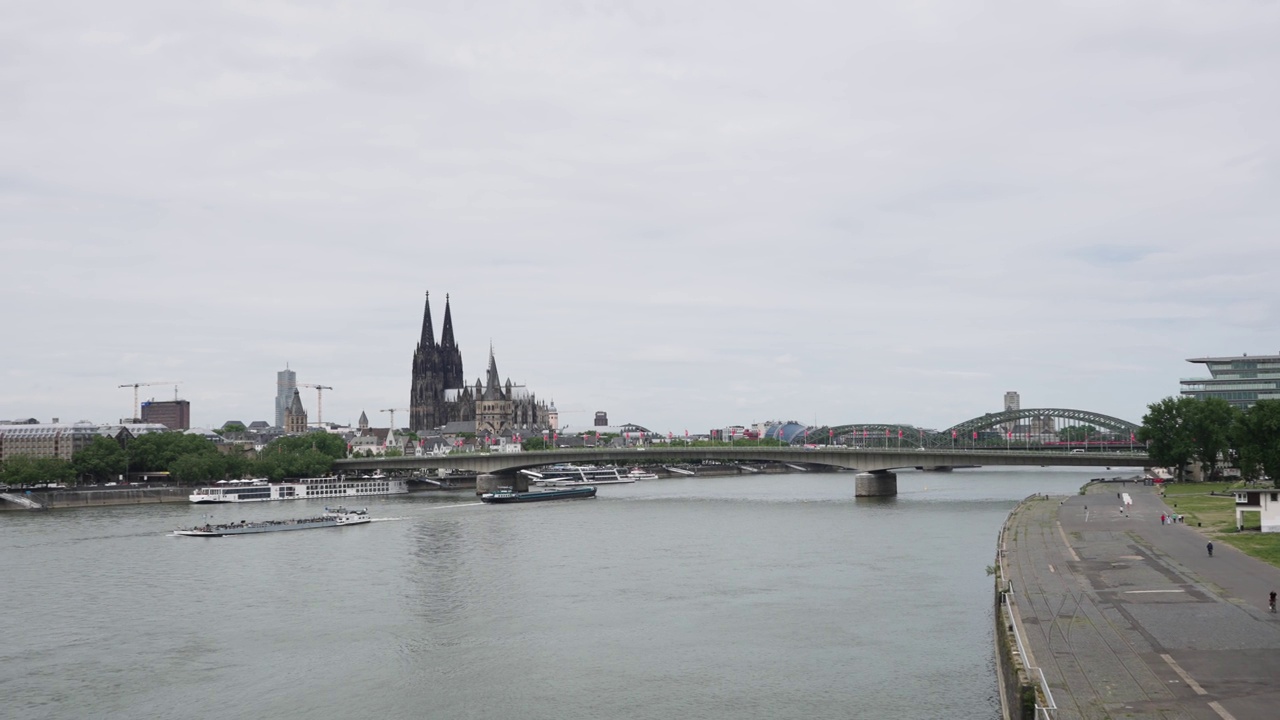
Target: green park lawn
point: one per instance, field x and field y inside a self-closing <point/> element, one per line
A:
<point x="1216" y="516"/>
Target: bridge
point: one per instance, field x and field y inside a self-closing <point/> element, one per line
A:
<point x="875" y="465"/>
<point x="1027" y="427"/>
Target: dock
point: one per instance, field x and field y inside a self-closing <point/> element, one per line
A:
<point x="1111" y="614"/>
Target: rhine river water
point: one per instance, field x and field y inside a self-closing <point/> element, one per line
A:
<point x="764" y="596"/>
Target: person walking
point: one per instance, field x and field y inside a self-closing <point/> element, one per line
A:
<point x="1210" y="546"/>
<point x="1271" y="603"/>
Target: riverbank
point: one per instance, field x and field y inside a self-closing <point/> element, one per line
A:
<point x="1104" y="611"/>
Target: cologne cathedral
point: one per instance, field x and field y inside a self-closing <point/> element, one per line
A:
<point x="440" y="401"/>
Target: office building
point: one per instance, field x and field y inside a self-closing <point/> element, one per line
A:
<point x="1241" y="380"/>
<point x="173" y="414"/>
<point x="286" y="383"/>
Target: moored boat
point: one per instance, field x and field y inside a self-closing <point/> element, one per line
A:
<point x="640" y="474"/>
<point x="577" y="475"/>
<point x="507" y="495"/>
<point x="333" y="517"/>
<point x="311" y="488"/>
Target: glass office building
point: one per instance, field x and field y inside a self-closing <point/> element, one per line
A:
<point x="1241" y="381"/>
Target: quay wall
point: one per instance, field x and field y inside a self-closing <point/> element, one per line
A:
<point x="102" y="497"/>
<point x="1017" y="688"/>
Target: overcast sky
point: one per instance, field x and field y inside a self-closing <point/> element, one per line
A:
<point x="685" y="214"/>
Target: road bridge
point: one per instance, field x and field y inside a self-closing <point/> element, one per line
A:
<point x="875" y="465"/>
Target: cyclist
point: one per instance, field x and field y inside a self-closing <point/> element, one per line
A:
<point x="1210" y="549"/>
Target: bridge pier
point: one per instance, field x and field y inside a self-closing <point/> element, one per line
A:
<point x="880" y="483"/>
<point x="487" y="483"/>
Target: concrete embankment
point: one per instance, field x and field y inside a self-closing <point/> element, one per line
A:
<point x="49" y="500"/>
<point x="1103" y="611"/>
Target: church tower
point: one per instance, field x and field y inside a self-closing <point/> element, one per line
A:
<point x="450" y="353"/>
<point x="295" y="417"/>
<point x="426" y="396"/>
<point x="493" y="407"/>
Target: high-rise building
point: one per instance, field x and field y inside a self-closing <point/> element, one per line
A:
<point x="1012" y="403"/>
<point x="173" y="414"/>
<point x="1240" y="380"/>
<point x="286" y="382"/>
<point x="602" y="418"/>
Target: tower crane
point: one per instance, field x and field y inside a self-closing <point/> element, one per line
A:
<point x="319" y="399"/>
<point x="393" y="412"/>
<point x="137" y="411"/>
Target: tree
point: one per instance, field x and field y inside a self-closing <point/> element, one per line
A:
<point x="1257" y="440"/>
<point x="1210" y="423"/>
<point x="1077" y="433"/>
<point x="28" y="470"/>
<point x="154" y="452"/>
<point x="233" y="427"/>
<point x="100" y="461"/>
<point x="1165" y="429"/>
<point x="295" y="456"/>
<point x="535" y="443"/>
<point x="197" y="468"/>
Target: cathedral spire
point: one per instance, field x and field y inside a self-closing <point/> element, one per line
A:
<point x="492" y="385"/>
<point x="446" y="335"/>
<point x="428" y="334"/>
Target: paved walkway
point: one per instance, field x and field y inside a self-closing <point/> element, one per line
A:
<point x="1128" y="618"/>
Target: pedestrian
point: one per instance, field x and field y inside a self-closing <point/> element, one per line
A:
<point x="1162" y="518"/>
<point x="1272" y="602"/>
<point x="1210" y="546"/>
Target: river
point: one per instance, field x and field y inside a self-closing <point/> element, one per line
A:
<point x="763" y="596"/>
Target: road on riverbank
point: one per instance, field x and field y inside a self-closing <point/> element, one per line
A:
<point x="1130" y="618"/>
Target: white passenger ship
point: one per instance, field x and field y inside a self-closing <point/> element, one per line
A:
<point x="306" y="489"/>
<point x="575" y="475"/>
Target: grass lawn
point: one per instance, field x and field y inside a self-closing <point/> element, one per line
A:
<point x="1216" y="515"/>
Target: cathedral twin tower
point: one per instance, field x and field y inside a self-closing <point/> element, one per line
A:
<point x="439" y="399"/>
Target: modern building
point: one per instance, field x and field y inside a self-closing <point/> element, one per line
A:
<point x="286" y="383"/>
<point x="173" y="414"/>
<point x="602" y="418"/>
<point x="1242" y="380"/>
<point x="439" y="398"/>
<point x="1012" y="403"/>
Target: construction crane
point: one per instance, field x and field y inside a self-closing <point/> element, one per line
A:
<point x="319" y="399"/>
<point x="393" y="412"/>
<point x="137" y="410"/>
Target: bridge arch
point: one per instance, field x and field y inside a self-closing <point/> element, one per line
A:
<point x="994" y="420"/>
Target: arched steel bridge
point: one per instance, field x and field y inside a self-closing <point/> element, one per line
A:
<point x="862" y="459"/>
<point x="963" y="432"/>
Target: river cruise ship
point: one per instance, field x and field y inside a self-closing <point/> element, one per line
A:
<point x="307" y="489"/>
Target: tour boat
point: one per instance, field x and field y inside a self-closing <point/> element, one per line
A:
<point x="577" y="475"/>
<point x="640" y="474"/>
<point x="306" y="489"/>
<point x="333" y="517"/>
<point x="507" y="495"/>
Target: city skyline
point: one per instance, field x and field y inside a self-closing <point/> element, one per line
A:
<point x="686" y="216"/>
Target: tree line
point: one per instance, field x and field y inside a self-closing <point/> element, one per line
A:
<point x="187" y="459"/>
<point x="1182" y="430"/>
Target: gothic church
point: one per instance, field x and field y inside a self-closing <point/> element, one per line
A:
<point x="439" y="400"/>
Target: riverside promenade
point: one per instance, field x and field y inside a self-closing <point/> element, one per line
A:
<point x="1128" y="618"/>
